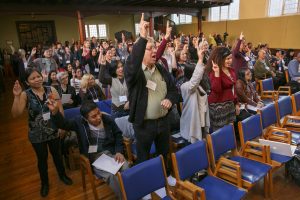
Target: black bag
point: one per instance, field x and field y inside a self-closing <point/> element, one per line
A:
<point x="295" y="86"/>
<point x="293" y="168"/>
<point x="205" y="83"/>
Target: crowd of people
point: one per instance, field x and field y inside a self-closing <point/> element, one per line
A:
<point x="147" y="81"/>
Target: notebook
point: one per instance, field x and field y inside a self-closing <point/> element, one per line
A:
<point x="280" y="148"/>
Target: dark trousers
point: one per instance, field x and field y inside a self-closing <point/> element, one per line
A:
<point x="41" y="150"/>
<point x="157" y="131"/>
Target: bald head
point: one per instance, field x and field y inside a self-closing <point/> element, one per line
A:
<point x="262" y="54"/>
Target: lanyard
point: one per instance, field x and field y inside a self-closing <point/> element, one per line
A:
<point x="42" y="106"/>
<point x="93" y="93"/>
<point x="88" y="137"/>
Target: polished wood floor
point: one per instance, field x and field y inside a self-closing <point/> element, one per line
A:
<point x="19" y="177"/>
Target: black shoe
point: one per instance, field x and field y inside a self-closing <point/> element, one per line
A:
<point x="44" y="190"/>
<point x="66" y="180"/>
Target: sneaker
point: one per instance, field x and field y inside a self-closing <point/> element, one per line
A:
<point x="44" y="190"/>
<point x="66" y="180"/>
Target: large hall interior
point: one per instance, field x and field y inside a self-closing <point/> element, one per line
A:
<point x="150" y="99"/>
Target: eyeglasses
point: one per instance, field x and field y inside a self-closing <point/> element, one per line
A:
<point x="151" y="48"/>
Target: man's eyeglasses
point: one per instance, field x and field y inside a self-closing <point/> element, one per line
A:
<point x="151" y="48"/>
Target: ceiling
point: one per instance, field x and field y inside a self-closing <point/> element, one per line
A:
<point x="94" y="7"/>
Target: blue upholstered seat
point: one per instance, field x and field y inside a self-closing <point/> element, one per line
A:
<point x="217" y="189"/>
<point x="251" y="129"/>
<point x="71" y="113"/>
<point x="252" y="171"/>
<point x="143" y="178"/>
<point x="223" y="140"/>
<point x="105" y="106"/>
<point x="192" y="159"/>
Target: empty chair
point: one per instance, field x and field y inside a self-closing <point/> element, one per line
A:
<point x="223" y="141"/>
<point x="194" y="158"/>
<point x="251" y="129"/>
<point x="143" y="179"/>
<point x="270" y="124"/>
<point x="269" y="93"/>
<point x="296" y="103"/>
<point x="285" y="118"/>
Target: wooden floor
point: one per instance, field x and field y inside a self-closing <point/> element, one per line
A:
<point x="19" y="177"/>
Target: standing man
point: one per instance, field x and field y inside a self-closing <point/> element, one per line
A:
<point x="151" y="95"/>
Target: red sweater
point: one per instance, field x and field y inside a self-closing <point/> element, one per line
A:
<point x="222" y="87"/>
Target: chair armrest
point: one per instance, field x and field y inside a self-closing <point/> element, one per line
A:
<point x="269" y="94"/>
<point x="285" y="136"/>
<point x="284" y="90"/>
<point x="127" y="142"/>
<point x="256" y="151"/>
<point x="293" y="124"/>
<point x="229" y="170"/>
<point x="188" y="190"/>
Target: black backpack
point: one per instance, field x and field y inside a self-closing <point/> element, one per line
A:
<point x="293" y="168"/>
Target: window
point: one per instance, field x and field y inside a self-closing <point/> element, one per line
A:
<point x="230" y="12"/>
<point x="137" y="29"/>
<point x="282" y="7"/>
<point x="94" y="30"/>
<point x="102" y="31"/>
<point x="182" y="19"/>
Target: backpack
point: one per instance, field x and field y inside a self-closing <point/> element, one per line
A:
<point x="293" y="168"/>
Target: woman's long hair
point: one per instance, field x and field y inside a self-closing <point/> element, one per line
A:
<point x="218" y="55"/>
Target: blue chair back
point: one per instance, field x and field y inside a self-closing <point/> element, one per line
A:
<point x="72" y="112"/>
<point x="105" y="106"/>
<point x="144" y="178"/>
<point x="267" y="84"/>
<point x="297" y="100"/>
<point x="223" y="140"/>
<point x="192" y="159"/>
<point x="285" y="106"/>
<point x="268" y="115"/>
<point x="251" y="128"/>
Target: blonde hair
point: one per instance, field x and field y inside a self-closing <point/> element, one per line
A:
<point x="85" y="81"/>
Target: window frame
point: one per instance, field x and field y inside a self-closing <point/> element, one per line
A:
<point x="282" y="9"/>
<point x="178" y="22"/>
<point x="87" y="31"/>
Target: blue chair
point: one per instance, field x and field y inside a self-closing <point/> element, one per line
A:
<point x="105" y="106"/>
<point x="268" y="91"/>
<point x="269" y="124"/>
<point x="285" y="118"/>
<point x="143" y="179"/>
<point x="223" y="141"/>
<point x="71" y="112"/>
<point x="194" y="158"/>
<point x="296" y="103"/>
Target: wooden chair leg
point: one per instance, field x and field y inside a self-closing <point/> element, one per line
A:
<point x="83" y="179"/>
<point x="94" y="189"/>
<point x="266" y="186"/>
<point x="270" y="184"/>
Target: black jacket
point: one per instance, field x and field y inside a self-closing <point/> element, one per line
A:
<point x="113" y="141"/>
<point x="136" y="83"/>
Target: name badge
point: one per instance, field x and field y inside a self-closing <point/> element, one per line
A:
<point x="46" y="116"/>
<point x="96" y="69"/>
<point x="151" y="85"/>
<point x="67" y="61"/>
<point x="96" y="100"/>
<point x="242" y="107"/>
<point x="122" y="98"/>
<point x="247" y="59"/>
<point x="93" y="148"/>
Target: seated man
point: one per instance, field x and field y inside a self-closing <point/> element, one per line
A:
<point x="94" y="129"/>
<point x="294" y="68"/>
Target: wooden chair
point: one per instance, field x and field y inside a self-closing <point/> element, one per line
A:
<point x="143" y="179"/>
<point x="253" y="168"/>
<point x="194" y="158"/>
<point x="86" y="169"/>
<point x="296" y="103"/>
<point x="287" y="76"/>
<point x="268" y="91"/>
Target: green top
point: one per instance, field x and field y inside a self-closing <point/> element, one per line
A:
<point x="262" y="69"/>
<point x="154" y="108"/>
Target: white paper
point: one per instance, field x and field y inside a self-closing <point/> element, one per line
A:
<point x="161" y="192"/>
<point x="151" y="85"/>
<point x="108" y="164"/>
<point x="177" y="135"/>
<point x="65" y="98"/>
<point x="122" y="98"/>
<point x="252" y="108"/>
<point x="171" y="181"/>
